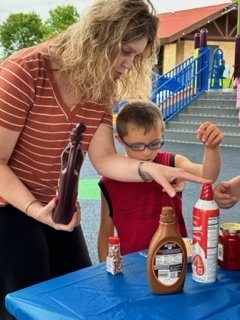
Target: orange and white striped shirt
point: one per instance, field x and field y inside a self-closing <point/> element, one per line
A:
<point x="30" y="103"/>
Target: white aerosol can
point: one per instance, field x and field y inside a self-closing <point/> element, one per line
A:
<point x="205" y="237"/>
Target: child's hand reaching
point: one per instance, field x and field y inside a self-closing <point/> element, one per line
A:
<point x="209" y="134"/>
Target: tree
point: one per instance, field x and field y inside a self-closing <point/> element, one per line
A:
<point x="60" y="19"/>
<point x="21" y="30"/>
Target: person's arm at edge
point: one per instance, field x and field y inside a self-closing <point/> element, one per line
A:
<point x="106" y="230"/>
<point x="227" y="193"/>
<point x="235" y="187"/>
<point x="235" y="83"/>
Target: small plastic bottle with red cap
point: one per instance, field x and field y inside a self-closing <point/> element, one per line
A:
<point x="205" y="237"/>
<point x="114" y="258"/>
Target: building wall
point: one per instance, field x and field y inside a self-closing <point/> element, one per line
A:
<point x="180" y="52"/>
<point x="169" y="56"/>
<point x="176" y="53"/>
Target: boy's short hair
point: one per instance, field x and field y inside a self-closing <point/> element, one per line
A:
<point x="143" y="113"/>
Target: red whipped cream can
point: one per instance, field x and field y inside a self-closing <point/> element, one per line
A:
<point x="205" y="237"/>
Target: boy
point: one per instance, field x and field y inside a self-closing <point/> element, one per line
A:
<point x="134" y="208"/>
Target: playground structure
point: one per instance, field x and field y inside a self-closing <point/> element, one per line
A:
<point x="174" y="90"/>
<point x="177" y="88"/>
<point x="217" y="70"/>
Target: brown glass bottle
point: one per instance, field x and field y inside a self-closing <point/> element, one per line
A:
<point x="167" y="257"/>
<point x="72" y="159"/>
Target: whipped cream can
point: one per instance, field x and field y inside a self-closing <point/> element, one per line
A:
<point x="205" y="237"/>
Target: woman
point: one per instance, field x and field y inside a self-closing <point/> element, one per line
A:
<point x="44" y="92"/>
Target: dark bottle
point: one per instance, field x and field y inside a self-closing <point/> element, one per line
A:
<point x="167" y="257"/>
<point x="72" y="159"/>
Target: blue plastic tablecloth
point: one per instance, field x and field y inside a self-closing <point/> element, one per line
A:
<point x="92" y="293"/>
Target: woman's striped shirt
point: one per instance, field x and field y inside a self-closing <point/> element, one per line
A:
<point x="30" y="103"/>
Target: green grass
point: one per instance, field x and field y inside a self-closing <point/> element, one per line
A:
<point x="88" y="189"/>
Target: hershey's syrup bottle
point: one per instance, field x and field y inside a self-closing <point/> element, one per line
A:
<point x="72" y="159"/>
<point x="205" y="237"/>
<point x="167" y="256"/>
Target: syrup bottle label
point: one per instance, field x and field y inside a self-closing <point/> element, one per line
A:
<point x="168" y="263"/>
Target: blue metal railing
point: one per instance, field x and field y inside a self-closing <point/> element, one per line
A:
<point x="174" y="90"/>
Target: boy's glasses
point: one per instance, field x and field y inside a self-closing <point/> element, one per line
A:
<point x="155" y="145"/>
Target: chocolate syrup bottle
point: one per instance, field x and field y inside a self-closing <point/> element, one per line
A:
<point x="167" y="256"/>
<point x="72" y="159"/>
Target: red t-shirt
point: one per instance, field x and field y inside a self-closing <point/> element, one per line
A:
<point x="31" y="104"/>
<point x="135" y="208"/>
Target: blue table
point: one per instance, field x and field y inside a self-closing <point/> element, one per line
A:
<point x="92" y="293"/>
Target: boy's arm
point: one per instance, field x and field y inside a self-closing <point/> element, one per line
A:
<point x="211" y="163"/>
<point x="211" y="136"/>
<point x="106" y="230"/>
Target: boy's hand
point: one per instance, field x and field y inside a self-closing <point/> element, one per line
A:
<point x="209" y="134"/>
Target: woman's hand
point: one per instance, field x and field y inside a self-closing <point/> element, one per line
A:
<point x="179" y="187"/>
<point x="170" y="178"/>
<point x="44" y="215"/>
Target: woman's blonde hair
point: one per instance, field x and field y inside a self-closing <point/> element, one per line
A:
<point x="87" y="51"/>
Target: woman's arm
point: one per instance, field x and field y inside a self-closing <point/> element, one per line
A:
<point x="106" y="230"/>
<point x="11" y="188"/>
<point x="17" y="194"/>
<point x="107" y="162"/>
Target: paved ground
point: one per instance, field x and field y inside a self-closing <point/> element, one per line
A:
<point x="89" y="194"/>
